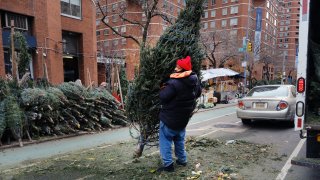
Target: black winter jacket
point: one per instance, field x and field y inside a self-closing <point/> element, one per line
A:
<point x="178" y="100"/>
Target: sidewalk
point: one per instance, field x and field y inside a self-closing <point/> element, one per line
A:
<point x="55" y="146"/>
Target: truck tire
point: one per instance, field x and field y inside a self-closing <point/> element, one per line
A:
<point x="246" y="121"/>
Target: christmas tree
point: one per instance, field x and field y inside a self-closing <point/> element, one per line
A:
<point x="156" y="64"/>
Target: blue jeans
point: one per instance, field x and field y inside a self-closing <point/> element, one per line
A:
<point x="166" y="137"/>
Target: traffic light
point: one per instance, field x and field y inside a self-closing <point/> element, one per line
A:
<point x="249" y="47"/>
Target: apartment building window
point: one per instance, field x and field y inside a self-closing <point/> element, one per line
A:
<point x="224" y="1"/>
<point x="114" y="18"/>
<point x="106" y="43"/>
<point x="234" y="9"/>
<point x="115" y="42"/>
<point x="123" y="29"/>
<point x="116" y="29"/>
<point x="224" y="11"/>
<point x="233" y="21"/>
<point x="114" y="7"/>
<point x="268" y="4"/>
<point x="280" y="34"/>
<point x="213" y="13"/>
<point x="171" y="8"/>
<point x="98" y="33"/>
<point x="106" y="32"/>
<point x="286" y="40"/>
<point x="20" y="22"/>
<point x="106" y="20"/>
<point x="98" y="22"/>
<point x="205" y="14"/>
<point x="212" y="24"/>
<point x="285" y="45"/>
<point x="223" y="23"/>
<point x="205" y="25"/>
<point x="213" y="2"/>
<point x="178" y="10"/>
<point x="205" y="4"/>
<point x="267" y="15"/>
<point x="71" y="8"/>
<point x="275" y="22"/>
<point x="234" y="0"/>
<point x="123" y="41"/>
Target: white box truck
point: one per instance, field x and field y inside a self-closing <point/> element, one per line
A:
<point x="307" y="118"/>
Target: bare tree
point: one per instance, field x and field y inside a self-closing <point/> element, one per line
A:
<point x="219" y="47"/>
<point x="149" y="10"/>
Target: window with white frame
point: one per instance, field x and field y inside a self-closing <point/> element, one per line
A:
<point x="224" y="11"/>
<point x="234" y="0"/>
<point x="224" y="1"/>
<point x="98" y="22"/>
<point x="71" y="8"/>
<point x="275" y="22"/>
<point x="205" y="14"/>
<point x="233" y="21"/>
<point x="106" y="20"/>
<point x="213" y="2"/>
<point x="114" y="18"/>
<point x="212" y="24"/>
<point x="114" y="6"/>
<point x="213" y="13"/>
<point x="115" y="42"/>
<point x="267" y="15"/>
<point x="123" y="29"/>
<point x="223" y="23"/>
<point x="268" y="4"/>
<point x="20" y="22"/>
<point x="234" y="9"/>
<point x="205" y="25"/>
<point x="106" y="32"/>
<point x="116" y="29"/>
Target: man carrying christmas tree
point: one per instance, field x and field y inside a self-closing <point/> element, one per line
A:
<point x="178" y="100"/>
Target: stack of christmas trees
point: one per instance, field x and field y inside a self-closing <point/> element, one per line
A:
<point x="46" y="110"/>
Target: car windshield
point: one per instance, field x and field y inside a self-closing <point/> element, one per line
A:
<point x="268" y="91"/>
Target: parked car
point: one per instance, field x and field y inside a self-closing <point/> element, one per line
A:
<point x="268" y="102"/>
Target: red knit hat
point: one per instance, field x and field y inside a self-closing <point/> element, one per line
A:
<point x="185" y="63"/>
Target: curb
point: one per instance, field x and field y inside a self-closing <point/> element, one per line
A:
<point x="217" y="107"/>
<point x="81" y="133"/>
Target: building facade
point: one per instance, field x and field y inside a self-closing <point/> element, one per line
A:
<point x="60" y="34"/>
<point x="270" y="26"/>
<point x="113" y="48"/>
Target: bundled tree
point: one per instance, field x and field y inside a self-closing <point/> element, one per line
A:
<point x="156" y="65"/>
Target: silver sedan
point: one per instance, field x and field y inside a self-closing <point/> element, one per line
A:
<point x="268" y="102"/>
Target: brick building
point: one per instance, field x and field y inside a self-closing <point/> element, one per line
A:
<point x="258" y="21"/>
<point x="60" y="34"/>
<point x="114" y="49"/>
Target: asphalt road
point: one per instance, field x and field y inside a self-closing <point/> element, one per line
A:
<point x="220" y="122"/>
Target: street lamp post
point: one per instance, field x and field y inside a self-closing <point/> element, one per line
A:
<point x="246" y="52"/>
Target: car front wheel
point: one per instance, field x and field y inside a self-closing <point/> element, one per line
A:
<point x="246" y="121"/>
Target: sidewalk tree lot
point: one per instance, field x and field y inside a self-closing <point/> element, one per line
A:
<point x="209" y="159"/>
